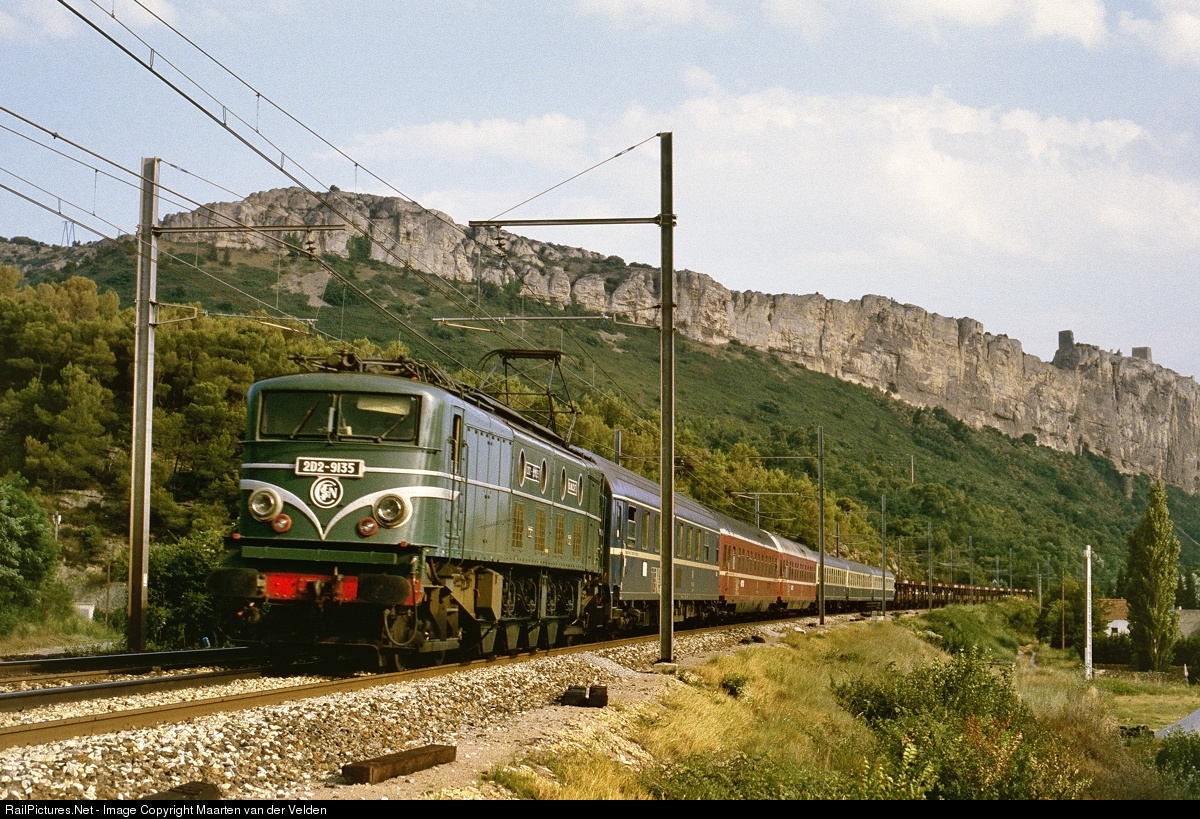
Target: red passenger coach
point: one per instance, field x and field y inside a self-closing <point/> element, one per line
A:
<point x="749" y="561"/>
<point x="797" y="576"/>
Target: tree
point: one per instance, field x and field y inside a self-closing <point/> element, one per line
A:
<point x="28" y="554"/>
<point x="1150" y="586"/>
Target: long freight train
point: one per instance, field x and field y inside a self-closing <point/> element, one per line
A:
<point x="385" y="506"/>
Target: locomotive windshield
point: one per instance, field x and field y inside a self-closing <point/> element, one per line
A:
<point x="338" y="415"/>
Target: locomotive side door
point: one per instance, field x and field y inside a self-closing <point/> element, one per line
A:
<point x="457" y="454"/>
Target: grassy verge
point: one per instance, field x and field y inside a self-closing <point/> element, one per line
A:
<point x="69" y="632"/>
<point x="882" y="711"/>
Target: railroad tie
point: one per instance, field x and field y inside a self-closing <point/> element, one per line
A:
<point x="374" y="771"/>
<point x="189" y="790"/>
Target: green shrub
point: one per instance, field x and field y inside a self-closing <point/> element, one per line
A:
<point x="997" y="628"/>
<point x="957" y="730"/>
<point x="735" y="685"/>
<point x="179" y="612"/>
<point x="28" y="555"/>
<point x="1179" y="762"/>
<point x="743" y="777"/>
<point x="1112" y="649"/>
<point x="1187" y="653"/>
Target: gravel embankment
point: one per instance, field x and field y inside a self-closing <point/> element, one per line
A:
<point x="297" y="750"/>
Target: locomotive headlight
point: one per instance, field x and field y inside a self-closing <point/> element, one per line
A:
<point x="392" y="510"/>
<point x="264" y="504"/>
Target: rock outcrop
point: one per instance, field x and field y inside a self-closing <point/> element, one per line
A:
<point x="1144" y="417"/>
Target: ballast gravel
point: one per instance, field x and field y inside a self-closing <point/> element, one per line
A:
<point x="297" y="749"/>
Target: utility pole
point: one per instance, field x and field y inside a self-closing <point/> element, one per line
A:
<point x="666" y="222"/>
<point x="971" y="561"/>
<point x="929" y="546"/>
<point x="143" y="409"/>
<point x="1063" y="610"/>
<point x="821" y="524"/>
<point x="1039" y="584"/>
<point x="666" y="467"/>
<point x="1087" y="639"/>
<point x="883" y="543"/>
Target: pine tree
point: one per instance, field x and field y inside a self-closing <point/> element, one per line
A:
<point x="1150" y="585"/>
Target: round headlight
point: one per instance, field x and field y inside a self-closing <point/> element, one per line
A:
<point x="264" y="504"/>
<point x="392" y="510"/>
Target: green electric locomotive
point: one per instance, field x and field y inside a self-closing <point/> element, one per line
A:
<point x="387" y="507"/>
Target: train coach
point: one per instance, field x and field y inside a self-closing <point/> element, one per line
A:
<point x="386" y="507"/>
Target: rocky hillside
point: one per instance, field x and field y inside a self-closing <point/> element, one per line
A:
<point x="1145" y="418"/>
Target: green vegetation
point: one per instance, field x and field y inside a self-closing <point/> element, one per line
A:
<point x="879" y="711"/>
<point x="1179" y="761"/>
<point x="28" y="557"/>
<point x="958" y="730"/>
<point x="1152" y="580"/>
<point x="65" y="393"/>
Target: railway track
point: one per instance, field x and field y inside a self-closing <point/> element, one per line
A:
<point x="36" y="732"/>
<point x="125" y="663"/>
<point x="298" y="748"/>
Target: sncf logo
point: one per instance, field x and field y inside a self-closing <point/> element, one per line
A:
<point x="326" y="492"/>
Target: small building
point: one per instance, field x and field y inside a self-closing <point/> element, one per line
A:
<point x="1116" y="613"/>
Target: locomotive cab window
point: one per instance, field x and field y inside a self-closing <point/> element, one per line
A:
<point x="378" y="417"/>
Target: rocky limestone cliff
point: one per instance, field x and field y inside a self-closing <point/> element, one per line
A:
<point x="1144" y="417"/>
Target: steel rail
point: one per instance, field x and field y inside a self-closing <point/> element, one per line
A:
<point x="127" y="662"/>
<point x="103" y="723"/>
<point x="55" y="695"/>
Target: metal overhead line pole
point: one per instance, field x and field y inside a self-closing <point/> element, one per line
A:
<point x="929" y="546"/>
<point x="821" y="524"/>
<point x="666" y="222"/>
<point x="1087" y="607"/>
<point x="666" y="469"/>
<point x="143" y="409"/>
<point x="883" y="543"/>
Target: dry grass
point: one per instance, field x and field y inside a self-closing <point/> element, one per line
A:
<point x="773" y="707"/>
<point x="73" y="634"/>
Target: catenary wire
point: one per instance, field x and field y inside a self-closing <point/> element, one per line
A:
<point x="222" y="121"/>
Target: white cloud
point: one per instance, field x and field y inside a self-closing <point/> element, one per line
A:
<point x="36" y="20"/>
<point x="1174" y="34"/>
<point x="873" y="182"/>
<point x="1080" y="20"/>
<point x="658" y="12"/>
<point x="552" y="141"/>
<point x="970" y="13"/>
<point x="809" y="17"/>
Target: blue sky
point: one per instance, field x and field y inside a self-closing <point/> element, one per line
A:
<point x="1033" y="164"/>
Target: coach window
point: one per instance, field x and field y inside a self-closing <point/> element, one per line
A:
<point x="631" y="528"/>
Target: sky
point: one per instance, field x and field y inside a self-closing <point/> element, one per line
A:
<point x="1031" y="164"/>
